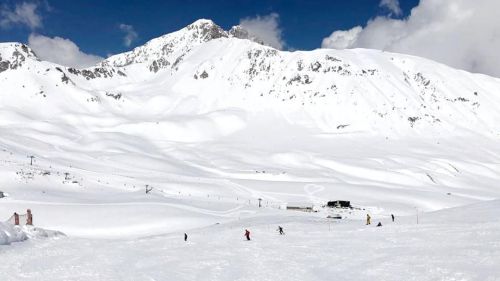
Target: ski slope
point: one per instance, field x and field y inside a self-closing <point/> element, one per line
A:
<point x="213" y="122"/>
<point x="456" y="244"/>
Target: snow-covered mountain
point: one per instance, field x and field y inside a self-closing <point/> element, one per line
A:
<point x="212" y="113"/>
<point x="336" y="91"/>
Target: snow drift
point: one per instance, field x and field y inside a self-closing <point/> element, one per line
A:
<point x="10" y="233"/>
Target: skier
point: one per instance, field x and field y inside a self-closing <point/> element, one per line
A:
<point x="392" y="216"/>
<point x="185" y="237"/>
<point x="379" y="224"/>
<point x="368" y="219"/>
<point x="247" y="234"/>
<point x="280" y="229"/>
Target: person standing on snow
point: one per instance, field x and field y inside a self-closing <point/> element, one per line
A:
<point x="368" y="219"/>
<point x="280" y="229"/>
<point x="247" y="234"/>
<point x="185" y="237"/>
<point x="392" y="216"/>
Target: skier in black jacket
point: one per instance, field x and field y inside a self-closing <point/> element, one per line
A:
<point x="280" y="229"/>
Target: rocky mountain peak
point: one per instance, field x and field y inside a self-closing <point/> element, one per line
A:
<point x="14" y="55"/>
<point x="206" y="30"/>
<point x="168" y="50"/>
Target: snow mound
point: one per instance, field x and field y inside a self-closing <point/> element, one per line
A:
<point x="10" y="233"/>
<point x="13" y="233"/>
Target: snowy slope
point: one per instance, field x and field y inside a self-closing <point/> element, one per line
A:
<point x="438" y="248"/>
<point x="207" y="116"/>
<point x="212" y="120"/>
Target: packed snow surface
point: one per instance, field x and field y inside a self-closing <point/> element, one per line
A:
<point x="457" y="244"/>
<point x="209" y="123"/>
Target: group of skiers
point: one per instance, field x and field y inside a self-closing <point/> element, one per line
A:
<point x="281" y="232"/>
<point x="369" y="220"/>
<point x="247" y="233"/>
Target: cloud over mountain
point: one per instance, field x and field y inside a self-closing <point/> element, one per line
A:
<point x="130" y="34"/>
<point x="463" y="34"/>
<point x="62" y="51"/>
<point x="266" y="28"/>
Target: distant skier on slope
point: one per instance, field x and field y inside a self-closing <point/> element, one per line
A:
<point x="185" y="237"/>
<point x="368" y="219"/>
<point x="280" y="229"/>
<point x="392" y="216"/>
<point x="247" y="234"/>
<point x="379" y="224"/>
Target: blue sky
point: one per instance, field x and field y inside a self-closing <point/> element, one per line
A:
<point x="464" y="34"/>
<point x="94" y="25"/>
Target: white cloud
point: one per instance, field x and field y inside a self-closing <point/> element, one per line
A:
<point x="462" y="33"/>
<point x="266" y="28"/>
<point x="342" y="39"/>
<point x="22" y="14"/>
<point x="130" y="34"/>
<point x="61" y="51"/>
<point x="392" y="5"/>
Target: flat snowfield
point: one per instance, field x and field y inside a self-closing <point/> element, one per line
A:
<point x="454" y="244"/>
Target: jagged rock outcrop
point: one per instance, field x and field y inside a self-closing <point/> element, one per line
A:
<point x="239" y="32"/>
<point x="14" y="55"/>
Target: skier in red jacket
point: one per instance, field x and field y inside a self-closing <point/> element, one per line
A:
<point x="247" y="234"/>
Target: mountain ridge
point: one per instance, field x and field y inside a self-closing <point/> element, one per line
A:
<point x="334" y="90"/>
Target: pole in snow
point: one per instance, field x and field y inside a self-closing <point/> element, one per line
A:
<point x="31" y="159"/>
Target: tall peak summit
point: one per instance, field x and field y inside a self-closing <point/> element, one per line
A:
<point x="206" y="30"/>
<point x="170" y="48"/>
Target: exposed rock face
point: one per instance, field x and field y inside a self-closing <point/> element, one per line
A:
<point x="158" y="64"/>
<point x="13" y="56"/>
<point x="4" y="64"/>
<point x="238" y="31"/>
<point x="96" y="72"/>
<point x="206" y="30"/>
